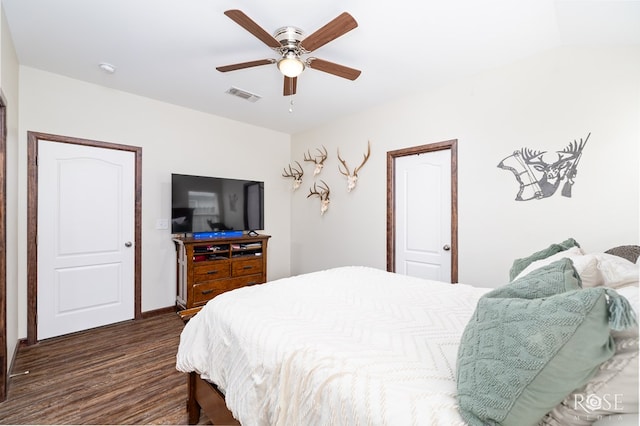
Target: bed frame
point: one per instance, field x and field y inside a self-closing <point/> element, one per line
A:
<point x="206" y="396"/>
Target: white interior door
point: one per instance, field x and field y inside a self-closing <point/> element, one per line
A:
<point x="86" y="217"/>
<point x="423" y="215"/>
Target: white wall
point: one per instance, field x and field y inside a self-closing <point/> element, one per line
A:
<point x="173" y="139"/>
<point x="543" y="103"/>
<point x="9" y="87"/>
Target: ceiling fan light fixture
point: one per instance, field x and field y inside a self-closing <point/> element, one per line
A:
<point x="290" y="65"/>
<point x="292" y="45"/>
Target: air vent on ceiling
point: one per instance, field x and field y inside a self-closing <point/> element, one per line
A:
<point x="251" y="97"/>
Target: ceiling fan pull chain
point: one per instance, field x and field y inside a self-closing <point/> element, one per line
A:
<point x="291" y="95"/>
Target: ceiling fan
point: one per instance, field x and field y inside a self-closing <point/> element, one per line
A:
<point x="291" y="44"/>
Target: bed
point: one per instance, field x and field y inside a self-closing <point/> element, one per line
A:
<point x="356" y="328"/>
<point x="350" y="345"/>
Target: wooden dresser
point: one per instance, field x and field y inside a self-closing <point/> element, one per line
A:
<point x="209" y="267"/>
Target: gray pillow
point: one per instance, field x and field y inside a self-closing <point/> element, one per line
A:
<point x="630" y="252"/>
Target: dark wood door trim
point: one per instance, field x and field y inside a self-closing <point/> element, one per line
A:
<point x="32" y="221"/>
<point x="391" y="198"/>
<point x="4" y="375"/>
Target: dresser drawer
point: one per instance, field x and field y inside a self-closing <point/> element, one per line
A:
<point x="246" y="280"/>
<point x="246" y="267"/>
<point x="208" y="290"/>
<point x="211" y="271"/>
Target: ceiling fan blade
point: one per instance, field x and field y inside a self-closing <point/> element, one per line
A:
<point x="242" y="65"/>
<point x="335" y="69"/>
<point x="339" y="26"/>
<point x="248" y="24"/>
<point x="290" y="84"/>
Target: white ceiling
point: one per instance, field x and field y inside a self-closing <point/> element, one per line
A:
<point x="168" y="49"/>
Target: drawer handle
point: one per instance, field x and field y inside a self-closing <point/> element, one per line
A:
<point x="212" y="272"/>
<point x="247" y="267"/>
<point x="206" y="291"/>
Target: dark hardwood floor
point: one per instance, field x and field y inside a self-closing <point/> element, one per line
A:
<point x="119" y="374"/>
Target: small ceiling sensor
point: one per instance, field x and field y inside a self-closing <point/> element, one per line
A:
<point x="108" y="68"/>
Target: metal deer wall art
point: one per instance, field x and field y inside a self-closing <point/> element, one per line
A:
<point x="296" y="174"/>
<point x="352" y="178"/>
<point x="539" y="173"/>
<point x="318" y="160"/>
<point x="323" y="194"/>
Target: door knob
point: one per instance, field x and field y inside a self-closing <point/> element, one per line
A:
<point x="128" y="244"/>
<point x="446" y="247"/>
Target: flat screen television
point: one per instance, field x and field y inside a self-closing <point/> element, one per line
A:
<point x="201" y="204"/>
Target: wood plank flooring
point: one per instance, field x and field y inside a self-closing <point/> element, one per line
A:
<point x="119" y="374"/>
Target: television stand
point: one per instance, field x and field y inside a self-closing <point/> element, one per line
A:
<point x="207" y="267"/>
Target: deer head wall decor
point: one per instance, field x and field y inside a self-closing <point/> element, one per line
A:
<point x="540" y="173"/>
<point x="352" y="178"/>
<point x="323" y="194"/>
<point x="296" y="174"/>
<point x="318" y="160"/>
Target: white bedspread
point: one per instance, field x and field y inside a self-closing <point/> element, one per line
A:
<point x="352" y="345"/>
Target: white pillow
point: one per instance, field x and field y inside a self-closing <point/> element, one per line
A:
<point x="587" y="267"/>
<point x="616" y="271"/>
<point x="619" y="420"/>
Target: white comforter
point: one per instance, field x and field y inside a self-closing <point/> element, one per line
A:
<point x="350" y="345"/>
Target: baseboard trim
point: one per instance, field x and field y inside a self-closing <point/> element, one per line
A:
<point x="10" y="373"/>
<point x="156" y="312"/>
<point x="22" y="343"/>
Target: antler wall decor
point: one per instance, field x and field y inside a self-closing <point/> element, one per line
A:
<point x="296" y="174"/>
<point x="323" y="194"/>
<point x="352" y="178"/>
<point x="318" y="160"/>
